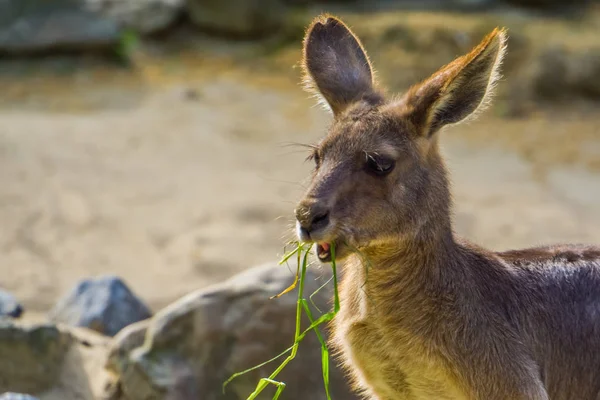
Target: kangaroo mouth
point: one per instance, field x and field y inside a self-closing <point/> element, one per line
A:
<point x="324" y="251"/>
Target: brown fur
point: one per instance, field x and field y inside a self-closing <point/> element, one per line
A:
<point x="424" y="314"/>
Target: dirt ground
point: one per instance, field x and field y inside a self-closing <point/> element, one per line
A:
<point x="178" y="185"/>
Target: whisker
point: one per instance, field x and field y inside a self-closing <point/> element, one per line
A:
<point x="299" y="144"/>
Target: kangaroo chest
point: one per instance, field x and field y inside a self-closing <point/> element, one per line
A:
<point x="389" y="367"/>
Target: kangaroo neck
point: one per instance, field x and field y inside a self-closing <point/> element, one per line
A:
<point x="414" y="267"/>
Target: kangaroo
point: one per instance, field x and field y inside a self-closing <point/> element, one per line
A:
<point x="425" y="314"/>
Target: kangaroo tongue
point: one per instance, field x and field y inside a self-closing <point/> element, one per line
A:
<point x="325" y="246"/>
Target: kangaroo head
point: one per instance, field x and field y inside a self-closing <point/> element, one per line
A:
<point x="378" y="176"/>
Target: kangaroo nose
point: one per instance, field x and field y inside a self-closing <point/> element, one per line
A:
<point x="313" y="218"/>
<point x="319" y="221"/>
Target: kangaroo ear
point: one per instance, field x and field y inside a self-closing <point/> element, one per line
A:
<point x="459" y="89"/>
<point x="335" y="63"/>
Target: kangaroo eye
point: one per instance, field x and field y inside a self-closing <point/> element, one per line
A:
<point x="314" y="156"/>
<point x="378" y="165"/>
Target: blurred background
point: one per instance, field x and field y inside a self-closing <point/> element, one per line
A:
<point x="154" y="139"/>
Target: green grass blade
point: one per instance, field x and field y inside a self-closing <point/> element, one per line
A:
<point x="324" y="351"/>
<point x="232" y="377"/>
<point x="336" y="296"/>
<point x="317" y="291"/>
<point x="289" y="255"/>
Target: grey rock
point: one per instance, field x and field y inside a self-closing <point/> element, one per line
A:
<point x="586" y="73"/>
<point x="104" y="304"/>
<point x="9" y="306"/>
<point x="549" y="4"/>
<point x="305" y="2"/>
<point x="142" y="16"/>
<point x="192" y="346"/>
<point x="561" y="74"/>
<point x="31" y="357"/>
<point x="128" y="339"/>
<point x="237" y="17"/>
<point x="28" y="26"/>
<point x="17" y="396"/>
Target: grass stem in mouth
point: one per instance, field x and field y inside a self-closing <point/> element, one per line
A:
<point x="301" y="251"/>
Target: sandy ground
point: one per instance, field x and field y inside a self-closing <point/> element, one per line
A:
<point x="177" y="186"/>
